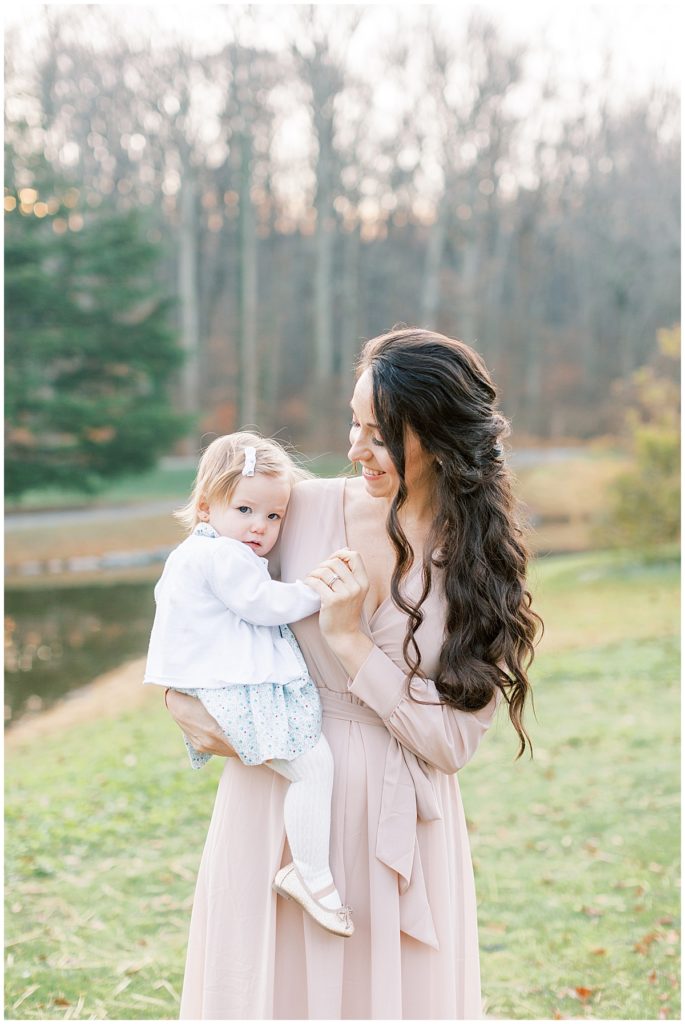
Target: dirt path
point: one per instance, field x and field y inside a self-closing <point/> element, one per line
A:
<point x="37" y="520"/>
<point x="105" y="697"/>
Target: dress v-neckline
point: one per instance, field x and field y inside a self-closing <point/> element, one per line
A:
<point x="386" y="600"/>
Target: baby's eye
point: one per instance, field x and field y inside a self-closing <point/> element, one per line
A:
<point x="353" y="423"/>
<point x="274" y="516"/>
<point x="244" y="508"/>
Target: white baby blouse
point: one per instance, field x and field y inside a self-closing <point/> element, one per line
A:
<point x="217" y="617"/>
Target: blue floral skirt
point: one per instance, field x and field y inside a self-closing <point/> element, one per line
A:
<point x="264" y="720"/>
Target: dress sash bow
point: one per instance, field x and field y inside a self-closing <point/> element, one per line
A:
<point x="408" y="796"/>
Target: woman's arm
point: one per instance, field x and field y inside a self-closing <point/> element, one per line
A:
<point x="439" y="734"/>
<point x="443" y="736"/>
<point x="197" y="724"/>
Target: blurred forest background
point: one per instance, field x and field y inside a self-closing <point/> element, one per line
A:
<point x="202" y="237"/>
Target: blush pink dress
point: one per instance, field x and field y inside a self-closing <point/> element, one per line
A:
<point x="399" y="847"/>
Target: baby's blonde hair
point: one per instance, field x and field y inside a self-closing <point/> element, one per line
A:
<point x="222" y="464"/>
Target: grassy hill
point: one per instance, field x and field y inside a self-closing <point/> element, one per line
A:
<point x="576" y="852"/>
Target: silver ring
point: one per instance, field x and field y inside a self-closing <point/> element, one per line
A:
<point x="332" y="580"/>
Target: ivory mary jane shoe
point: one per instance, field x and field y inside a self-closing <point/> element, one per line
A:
<point x="289" y="883"/>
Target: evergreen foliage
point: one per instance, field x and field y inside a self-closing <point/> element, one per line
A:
<point x="89" y="349"/>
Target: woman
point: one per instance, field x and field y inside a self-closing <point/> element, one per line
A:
<point x="425" y="625"/>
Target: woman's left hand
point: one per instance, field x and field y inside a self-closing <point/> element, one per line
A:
<point x="342" y="584"/>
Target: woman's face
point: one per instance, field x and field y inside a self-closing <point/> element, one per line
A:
<point x="367" y="448"/>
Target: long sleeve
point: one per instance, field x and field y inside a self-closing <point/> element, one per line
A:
<point x="243" y="585"/>
<point x="443" y="736"/>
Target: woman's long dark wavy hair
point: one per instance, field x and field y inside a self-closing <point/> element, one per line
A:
<point x="441" y="390"/>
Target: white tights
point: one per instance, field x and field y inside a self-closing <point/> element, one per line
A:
<point x="307" y="814"/>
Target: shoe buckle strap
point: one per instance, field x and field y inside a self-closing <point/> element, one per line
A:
<point x="345" y="915"/>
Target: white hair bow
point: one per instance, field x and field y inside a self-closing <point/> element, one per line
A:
<point x="250" y="461"/>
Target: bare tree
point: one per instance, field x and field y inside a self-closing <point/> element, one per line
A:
<point x="471" y="139"/>
<point x="549" y="239"/>
<point x="319" y="48"/>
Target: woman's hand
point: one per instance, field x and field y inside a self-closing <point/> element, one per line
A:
<point x="342" y="584"/>
<point x="197" y="724"/>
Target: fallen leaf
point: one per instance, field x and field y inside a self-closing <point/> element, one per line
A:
<point x="592" y="912"/>
<point x="599" y="951"/>
<point x="61" y="1001"/>
<point x="651" y="977"/>
<point x="645" y="942"/>
<point x="583" y="993"/>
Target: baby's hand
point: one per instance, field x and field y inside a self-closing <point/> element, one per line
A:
<point x="342" y="584"/>
<point x="345" y="554"/>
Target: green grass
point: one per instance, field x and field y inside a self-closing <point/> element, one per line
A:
<point x="162" y="482"/>
<point x="104" y="830"/>
<point x="576" y="853"/>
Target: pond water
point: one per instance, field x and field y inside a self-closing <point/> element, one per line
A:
<point x="60" y="638"/>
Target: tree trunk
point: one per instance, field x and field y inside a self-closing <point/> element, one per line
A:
<point x="467" y="314"/>
<point x="322" y="401"/>
<point x="430" y="299"/>
<point x="324" y="271"/>
<point x="280" y="294"/>
<point x="349" y="348"/>
<point x="187" y="289"/>
<point x="248" y="356"/>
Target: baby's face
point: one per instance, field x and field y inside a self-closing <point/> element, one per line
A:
<point x="254" y="513"/>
